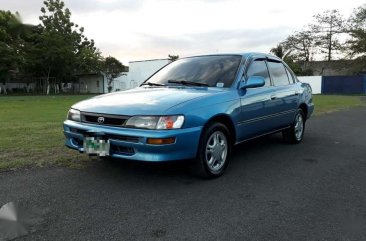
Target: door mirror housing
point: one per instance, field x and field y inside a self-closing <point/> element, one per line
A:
<point x="253" y="82"/>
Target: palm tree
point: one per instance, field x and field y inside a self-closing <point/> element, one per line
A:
<point x="280" y="51"/>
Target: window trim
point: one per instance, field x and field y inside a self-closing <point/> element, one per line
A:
<point x="294" y="77"/>
<point x="291" y="81"/>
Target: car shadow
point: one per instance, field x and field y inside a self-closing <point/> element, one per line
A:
<point x="183" y="168"/>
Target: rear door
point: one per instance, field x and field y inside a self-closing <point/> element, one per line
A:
<point x="284" y="98"/>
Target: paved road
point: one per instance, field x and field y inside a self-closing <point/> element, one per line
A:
<point x="271" y="191"/>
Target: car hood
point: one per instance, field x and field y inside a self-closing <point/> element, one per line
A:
<point x="143" y="100"/>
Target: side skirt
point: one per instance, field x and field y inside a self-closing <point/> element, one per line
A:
<point x="265" y="134"/>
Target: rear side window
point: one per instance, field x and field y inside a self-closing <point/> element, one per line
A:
<point x="259" y="68"/>
<point x="278" y="73"/>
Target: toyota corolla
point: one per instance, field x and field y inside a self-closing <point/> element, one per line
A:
<point x="195" y="108"/>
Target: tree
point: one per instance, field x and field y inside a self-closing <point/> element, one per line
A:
<point x="10" y="56"/>
<point x="294" y="65"/>
<point x="327" y="28"/>
<point x="357" y="31"/>
<point x="280" y="51"/>
<point x="301" y="44"/>
<point x="112" y="68"/>
<point x="61" y="48"/>
<point x="173" y="58"/>
<point x="285" y="51"/>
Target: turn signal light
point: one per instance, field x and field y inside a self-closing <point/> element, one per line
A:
<point x="160" y="141"/>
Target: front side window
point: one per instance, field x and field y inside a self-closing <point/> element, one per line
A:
<point x="278" y="73"/>
<point x="213" y="71"/>
<point x="259" y="68"/>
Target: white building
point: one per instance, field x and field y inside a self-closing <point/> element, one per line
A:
<point x="138" y="72"/>
<point x="119" y="83"/>
<point x="94" y="83"/>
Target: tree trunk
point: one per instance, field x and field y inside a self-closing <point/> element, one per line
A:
<point x="330" y="40"/>
<point x="46" y="86"/>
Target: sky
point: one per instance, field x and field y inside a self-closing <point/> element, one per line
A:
<point x="133" y="30"/>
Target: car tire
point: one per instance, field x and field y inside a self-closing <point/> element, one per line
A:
<point x="295" y="133"/>
<point x="213" y="151"/>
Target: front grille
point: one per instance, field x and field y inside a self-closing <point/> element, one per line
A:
<point x="104" y="119"/>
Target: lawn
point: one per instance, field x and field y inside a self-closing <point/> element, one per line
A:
<point x="31" y="128"/>
<point x="31" y="131"/>
<point x="331" y="103"/>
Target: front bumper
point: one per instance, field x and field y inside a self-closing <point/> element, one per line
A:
<point x="131" y="143"/>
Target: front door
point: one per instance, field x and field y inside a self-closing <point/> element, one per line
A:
<point x="254" y="114"/>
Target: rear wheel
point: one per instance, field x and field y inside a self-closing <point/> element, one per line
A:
<point x="295" y="133"/>
<point x="214" y="150"/>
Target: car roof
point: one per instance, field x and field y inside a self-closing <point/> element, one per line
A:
<point x="243" y="54"/>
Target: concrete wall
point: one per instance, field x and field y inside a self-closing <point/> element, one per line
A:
<point x="314" y="81"/>
<point x="334" y="67"/>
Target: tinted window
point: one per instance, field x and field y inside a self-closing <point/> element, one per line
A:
<point x="278" y="73"/>
<point x="259" y="68"/>
<point x="212" y="70"/>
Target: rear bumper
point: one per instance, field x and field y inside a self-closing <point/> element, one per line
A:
<point x="131" y="143"/>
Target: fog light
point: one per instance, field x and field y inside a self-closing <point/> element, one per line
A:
<point x="160" y="141"/>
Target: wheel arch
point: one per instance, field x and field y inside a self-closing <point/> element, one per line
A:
<point x="225" y="120"/>
<point x="304" y="108"/>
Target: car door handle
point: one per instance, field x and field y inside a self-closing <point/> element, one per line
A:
<point x="273" y="97"/>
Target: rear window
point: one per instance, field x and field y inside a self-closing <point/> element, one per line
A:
<point x="278" y="73"/>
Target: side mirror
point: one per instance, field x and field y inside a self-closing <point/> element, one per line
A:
<point x="253" y="82"/>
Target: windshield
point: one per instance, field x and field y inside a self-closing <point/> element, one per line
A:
<point x="212" y="71"/>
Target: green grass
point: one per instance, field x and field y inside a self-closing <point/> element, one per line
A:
<point x="31" y="128"/>
<point x="331" y="103"/>
<point x="31" y="132"/>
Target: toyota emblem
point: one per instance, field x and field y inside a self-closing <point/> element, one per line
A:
<point x="101" y="120"/>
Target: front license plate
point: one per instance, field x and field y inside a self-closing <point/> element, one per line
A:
<point x="93" y="145"/>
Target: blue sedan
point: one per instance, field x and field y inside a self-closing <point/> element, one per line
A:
<point x="195" y="108"/>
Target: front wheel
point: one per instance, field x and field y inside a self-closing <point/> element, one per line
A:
<point x="214" y="150"/>
<point x="295" y="133"/>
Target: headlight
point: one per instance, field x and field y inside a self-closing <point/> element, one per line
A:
<point x="156" y="122"/>
<point x="73" y="115"/>
<point x="170" y="122"/>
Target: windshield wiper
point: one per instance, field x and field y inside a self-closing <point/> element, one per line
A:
<point x="152" y="84"/>
<point x="184" y="82"/>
